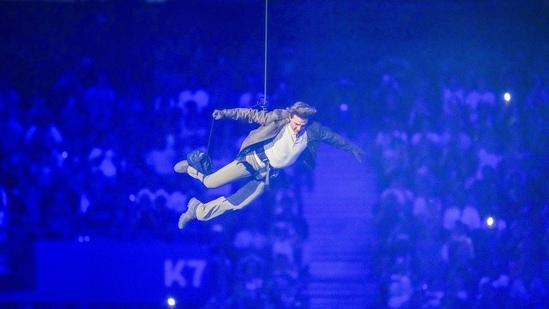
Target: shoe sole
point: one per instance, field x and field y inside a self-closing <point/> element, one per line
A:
<point x="190" y="214"/>
<point x="181" y="167"/>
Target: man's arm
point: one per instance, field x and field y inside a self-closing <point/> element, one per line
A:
<point x="329" y="137"/>
<point x="250" y="115"/>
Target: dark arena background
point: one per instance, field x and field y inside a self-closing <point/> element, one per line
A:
<point x="449" y="208"/>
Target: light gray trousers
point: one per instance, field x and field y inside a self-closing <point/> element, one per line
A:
<point x="231" y="172"/>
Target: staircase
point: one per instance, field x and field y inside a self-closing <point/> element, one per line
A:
<point x="338" y="211"/>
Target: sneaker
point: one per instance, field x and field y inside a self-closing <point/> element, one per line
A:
<point x="190" y="214"/>
<point x="181" y="167"/>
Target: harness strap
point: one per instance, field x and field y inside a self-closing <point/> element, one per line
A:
<point x="260" y="152"/>
<point x="269" y="170"/>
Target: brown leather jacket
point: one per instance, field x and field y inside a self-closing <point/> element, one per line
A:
<point x="271" y="122"/>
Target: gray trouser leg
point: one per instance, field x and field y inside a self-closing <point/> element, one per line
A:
<point x="229" y="173"/>
<point x="241" y="198"/>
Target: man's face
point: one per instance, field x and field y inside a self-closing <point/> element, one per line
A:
<point x="297" y="124"/>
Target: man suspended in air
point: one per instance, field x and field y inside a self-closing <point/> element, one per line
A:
<point x="283" y="137"/>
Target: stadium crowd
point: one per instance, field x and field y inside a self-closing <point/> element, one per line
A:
<point x="462" y="218"/>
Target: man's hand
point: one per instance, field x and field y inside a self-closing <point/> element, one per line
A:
<point x="358" y="153"/>
<point x="217" y="114"/>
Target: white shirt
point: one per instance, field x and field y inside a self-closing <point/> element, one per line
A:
<point x="286" y="147"/>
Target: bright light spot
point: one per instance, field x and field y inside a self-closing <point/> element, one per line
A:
<point x="490" y="221"/>
<point x="132" y="197"/>
<point x="507" y="97"/>
<point x="64" y="154"/>
<point x="343" y="107"/>
<point x="170" y="301"/>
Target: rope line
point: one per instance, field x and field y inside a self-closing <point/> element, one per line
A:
<point x="210" y="137"/>
<point x="264" y="105"/>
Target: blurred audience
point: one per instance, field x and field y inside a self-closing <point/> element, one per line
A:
<point x="463" y="213"/>
<point x="460" y="199"/>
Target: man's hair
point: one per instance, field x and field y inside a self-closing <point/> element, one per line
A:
<point x="302" y="110"/>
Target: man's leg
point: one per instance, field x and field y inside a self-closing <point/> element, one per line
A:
<point x="228" y="173"/>
<point x="241" y="198"/>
